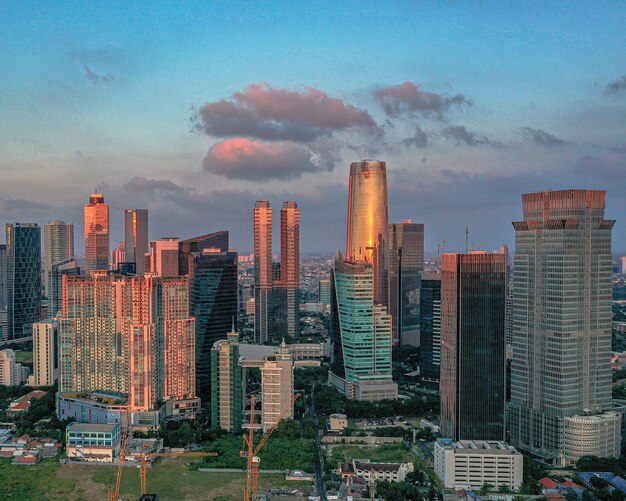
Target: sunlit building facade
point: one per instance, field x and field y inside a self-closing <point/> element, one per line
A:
<point x="130" y="335"/>
<point x="163" y="258"/>
<point x="368" y="221"/>
<point x="473" y="374"/>
<point x="262" y="271"/>
<point x="136" y="238"/>
<point x="277" y="388"/>
<point x="561" y="321"/>
<point x="96" y="233"/>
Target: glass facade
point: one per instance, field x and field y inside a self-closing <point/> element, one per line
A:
<point x="473" y="379"/>
<point x="213" y="304"/>
<point x="23" y="278"/>
<point x="406" y="262"/>
<point x="368" y="221"/>
<point x="58" y="240"/>
<point x="226" y="383"/>
<point x="263" y="277"/>
<point x="430" y="327"/>
<point x="364" y="328"/>
<point x="136" y="238"/>
<point x="561" y="317"/>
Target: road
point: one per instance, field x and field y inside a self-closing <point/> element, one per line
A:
<point x="318" y="463"/>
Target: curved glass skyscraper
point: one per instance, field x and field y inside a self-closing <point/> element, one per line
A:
<point x="367" y="221"/>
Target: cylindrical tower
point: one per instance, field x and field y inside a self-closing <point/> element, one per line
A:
<point x="367" y="221"/>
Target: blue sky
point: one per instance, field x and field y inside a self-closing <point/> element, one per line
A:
<point x="125" y="96"/>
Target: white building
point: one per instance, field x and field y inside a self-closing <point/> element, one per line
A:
<point x="277" y="388"/>
<point x="387" y="472"/>
<point x="45" y="367"/>
<point x="593" y="435"/>
<point x="11" y="373"/>
<point x="469" y="464"/>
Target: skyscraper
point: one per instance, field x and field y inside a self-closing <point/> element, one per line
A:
<point x="361" y="335"/>
<point x="55" y="299"/>
<point x="213" y="275"/>
<point x="118" y="256"/>
<point x="262" y="270"/>
<point x="276" y="388"/>
<point x="136" y="238"/>
<point x="58" y="240"/>
<point x="290" y="264"/>
<point x="96" y="233"/>
<point x="473" y="379"/>
<point x="368" y="221"/>
<point x="561" y="375"/>
<point x="227" y="397"/>
<point x="127" y="334"/>
<point x="430" y="328"/>
<point x="406" y="262"/>
<point x="164" y="257"/>
<point x="323" y="291"/>
<point x="3" y="292"/>
<point x="23" y="282"/>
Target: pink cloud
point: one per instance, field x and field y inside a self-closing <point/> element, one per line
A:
<point x="242" y="158"/>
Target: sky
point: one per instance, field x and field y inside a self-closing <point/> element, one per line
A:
<point x="195" y="110"/>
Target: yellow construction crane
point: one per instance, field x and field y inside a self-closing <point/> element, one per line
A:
<point x="143" y="470"/>
<point x="250" y="452"/>
<point x="114" y="495"/>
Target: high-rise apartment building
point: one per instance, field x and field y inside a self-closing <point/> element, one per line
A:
<point x="164" y="257"/>
<point x="561" y="375"/>
<point x="96" y="233"/>
<point x="473" y="378"/>
<point x="430" y="328"/>
<point x="55" y="298"/>
<point x="262" y="271"/>
<point x="213" y="274"/>
<point x="405" y="265"/>
<point x="58" y="241"/>
<point x="227" y="397"/>
<point x="23" y="278"/>
<point x="45" y="355"/>
<point x="3" y="302"/>
<point x="277" y="388"/>
<point x="361" y="335"/>
<point x="127" y="334"/>
<point x="136" y="238"/>
<point x="286" y="295"/>
<point x="368" y="221"/>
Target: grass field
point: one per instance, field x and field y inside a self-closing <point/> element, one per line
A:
<point x="171" y="478"/>
<point x="24" y="356"/>
<point x="379" y="453"/>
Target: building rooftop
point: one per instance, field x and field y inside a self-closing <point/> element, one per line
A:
<point x="477" y="446"/>
<point x="90" y="427"/>
<point x="366" y="465"/>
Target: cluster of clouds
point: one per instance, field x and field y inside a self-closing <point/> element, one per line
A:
<point x="266" y="133"/>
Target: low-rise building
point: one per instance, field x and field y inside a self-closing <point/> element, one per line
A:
<point x="23" y="403"/>
<point x="592" y="435"/>
<point x="387" y="472"/>
<point x="337" y="422"/>
<point x="469" y="464"/>
<point x="93" y="442"/>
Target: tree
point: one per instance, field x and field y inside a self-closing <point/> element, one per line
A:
<point x="504" y="489"/>
<point x="485" y="488"/>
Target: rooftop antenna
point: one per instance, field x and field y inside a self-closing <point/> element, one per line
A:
<point x="466" y="240"/>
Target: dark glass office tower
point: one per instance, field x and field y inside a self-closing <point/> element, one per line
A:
<point x="213" y="275"/>
<point x="406" y="262"/>
<point x="23" y="278"/>
<point x="136" y="238"/>
<point x="430" y="328"/>
<point x="473" y="292"/>
<point x="215" y="240"/>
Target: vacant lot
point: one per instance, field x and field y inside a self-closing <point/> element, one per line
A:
<point x="397" y="453"/>
<point x="171" y="478"/>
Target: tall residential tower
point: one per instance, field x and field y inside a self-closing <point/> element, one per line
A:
<point x="136" y="238"/>
<point x="262" y="270"/>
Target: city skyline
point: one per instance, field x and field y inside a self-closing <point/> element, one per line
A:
<point x="463" y="102"/>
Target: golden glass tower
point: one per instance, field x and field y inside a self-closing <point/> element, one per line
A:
<point x="368" y="221"/>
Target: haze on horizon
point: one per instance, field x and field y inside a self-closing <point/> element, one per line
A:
<point x="196" y="110"/>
